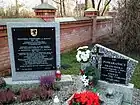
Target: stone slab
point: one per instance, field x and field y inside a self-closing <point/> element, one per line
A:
<point x="65" y="80"/>
<point x="10" y="82"/>
<point x="127" y="91"/>
<point x="125" y="103"/>
<point x="115" y="100"/>
<point x="32" y="75"/>
<point x="106" y="52"/>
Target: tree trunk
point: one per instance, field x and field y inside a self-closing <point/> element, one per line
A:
<point x="61" y="12"/>
<point x="105" y="7"/>
<point x="86" y="4"/>
<point x="98" y="7"/>
<point x="93" y="3"/>
<point x="64" y="10"/>
<point x="42" y="1"/>
<point x="16" y="8"/>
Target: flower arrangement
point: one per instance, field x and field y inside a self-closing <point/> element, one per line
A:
<point x="84" y="98"/>
<point x="90" y="74"/>
<point x="83" y="54"/>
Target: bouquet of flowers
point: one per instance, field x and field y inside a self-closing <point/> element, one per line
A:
<point x="84" y="98"/>
<point x="83" y="54"/>
<point x="90" y="74"/>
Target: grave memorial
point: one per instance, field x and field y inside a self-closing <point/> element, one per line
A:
<point x="114" y="67"/>
<point x="116" y="71"/>
<point x="113" y="70"/>
<point x="34" y="49"/>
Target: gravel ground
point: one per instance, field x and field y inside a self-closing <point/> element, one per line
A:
<point x="67" y="91"/>
<point x="136" y="97"/>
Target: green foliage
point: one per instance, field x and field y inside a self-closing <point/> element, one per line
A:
<point x="93" y="73"/>
<point x="69" y="58"/>
<point x="136" y="76"/>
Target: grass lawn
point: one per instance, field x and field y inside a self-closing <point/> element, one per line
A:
<point x="71" y="66"/>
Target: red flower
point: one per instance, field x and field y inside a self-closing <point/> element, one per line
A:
<point x="82" y="72"/>
<point x="85" y="98"/>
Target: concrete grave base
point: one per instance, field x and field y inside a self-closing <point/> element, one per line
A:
<point x="65" y="80"/>
<point x="125" y="103"/>
<point x="127" y="91"/>
<point x="9" y="81"/>
<point x="115" y="100"/>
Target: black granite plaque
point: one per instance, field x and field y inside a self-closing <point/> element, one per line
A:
<point x="34" y="48"/>
<point x="113" y="70"/>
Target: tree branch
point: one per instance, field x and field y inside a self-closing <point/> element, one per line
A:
<point x="98" y="7"/>
<point x="105" y="7"/>
<point x="56" y="2"/>
<point x="93" y="3"/>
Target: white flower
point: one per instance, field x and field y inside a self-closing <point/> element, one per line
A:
<point x="83" y="78"/>
<point x="85" y="59"/>
<point x="79" y="52"/>
<point x="84" y="56"/>
<point x="86" y="82"/>
<point x="88" y="51"/>
<point x="56" y="100"/>
<point x="87" y="55"/>
<point x="83" y="53"/>
<point x="78" y="58"/>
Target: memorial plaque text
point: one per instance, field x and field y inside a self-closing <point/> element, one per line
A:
<point x="113" y="70"/>
<point x="34" y="48"/>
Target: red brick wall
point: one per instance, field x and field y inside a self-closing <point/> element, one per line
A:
<point x="4" y="55"/>
<point x="72" y="35"/>
<point x="103" y="28"/>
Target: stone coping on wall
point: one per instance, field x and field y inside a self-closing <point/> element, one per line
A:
<point x="70" y="19"/>
<point x="104" y="18"/>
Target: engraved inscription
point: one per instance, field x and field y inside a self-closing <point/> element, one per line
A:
<point x="113" y="70"/>
<point x="34" y="53"/>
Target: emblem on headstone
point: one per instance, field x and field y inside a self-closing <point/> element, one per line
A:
<point x="33" y="32"/>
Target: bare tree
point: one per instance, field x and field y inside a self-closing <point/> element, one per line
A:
<point x="105" y="7"/>
<point x="62" y="7"/>
<point x="98" y="7"/>
<point x="64" y="10"/>
<point x="17" y="8"/>
<point x="93" y="3"/>
<point x="42" y="1"/>
<point x="86" y="4"/>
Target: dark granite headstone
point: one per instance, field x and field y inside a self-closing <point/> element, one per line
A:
<point x="113" y="70"/>
<point x="34" y="49"/>
<point x="115" y="67"/>
<point x="34" y="53"/>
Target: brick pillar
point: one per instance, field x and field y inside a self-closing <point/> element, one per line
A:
<point x="92" y="13"/>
